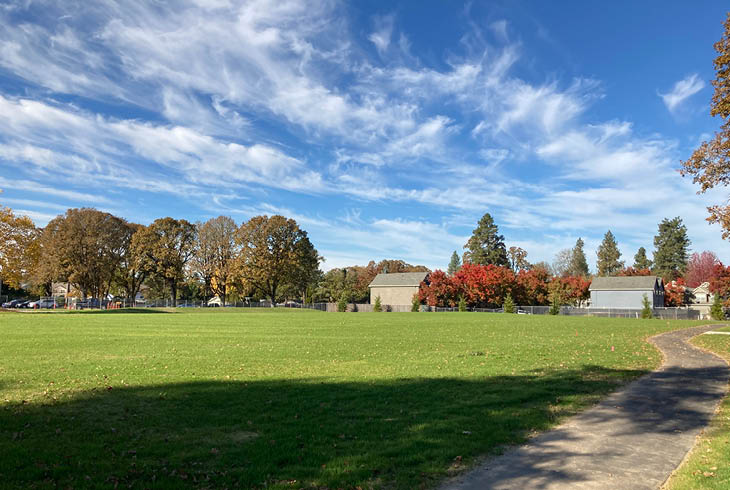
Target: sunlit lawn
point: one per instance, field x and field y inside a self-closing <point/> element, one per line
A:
<point x="708" y="465"/>
<point x="284" y="398"/>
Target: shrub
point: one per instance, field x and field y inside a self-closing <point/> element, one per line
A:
<point x="646" y="309"/>
<point x="415" y="304"/>
<point x="716" y="311"/>
<point x="462" y="304"/>
<point x="377" y="307"/>
<point x="342" y="303"/>
<point x="508" y="306"/>
<point x="554" y="304"/>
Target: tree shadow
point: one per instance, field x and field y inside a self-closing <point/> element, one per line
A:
<point x="406" y="433"/>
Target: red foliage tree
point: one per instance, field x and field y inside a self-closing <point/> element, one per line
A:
<point x="675" y="293"/>
<point x="484" y="286"/>
<point x="720" y="282"/>
<point x="440" y="290"/>
<point x="532" y="287"/>
<point x="571" y="290"/>
<point x="701" y="268"/>
<point x="630" y="271"/>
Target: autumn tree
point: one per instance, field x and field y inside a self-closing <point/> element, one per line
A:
<point x="675" y="293"/>
<point x="275" y="252"/>
<point x="578" y="263"/>
<point x="672" y="245"/>
<point x="517" y="258"/>
<point x="640" y="260"/>
<point x="164" y="248"/>
<point x="709" y="165"/>
<point x="484" y="286"/>
<point x="454" y="264"/>
<point x="608" y="256"/>
<point x="215" y="249"/>
<point x="132" y="272"/>
<point x="439" y="290"/>
<point x="720" y="283"/>
<point x="19" y="247"/>
<point x="85" y="247"/>
<point x="486" y="245"/>
<point x="700" y="268"/>
<point x="532" y="286"/>
<point x="630" y="271"/>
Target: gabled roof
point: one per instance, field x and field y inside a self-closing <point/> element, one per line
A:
<point x="630" y="283"/>
<point x="399" y="279"/>
<point x="702" y="288"/>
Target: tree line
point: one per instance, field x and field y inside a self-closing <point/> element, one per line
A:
<point x="102" y="254"/>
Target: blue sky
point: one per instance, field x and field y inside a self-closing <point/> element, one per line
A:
<point x="385" y="129"/>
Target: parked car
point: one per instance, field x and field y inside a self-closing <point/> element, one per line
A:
<point x="46" y="303"/>
<point x="12" y="303"/>
<point x="23" y="304"/>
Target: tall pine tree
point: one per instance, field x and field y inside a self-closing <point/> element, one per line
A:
<point x="672" y="249"/>
<point x="578" y="262"/>
<point x="608" y="255"/>
<point x="486" y="245"/>
<point x="641" y="261"/>
<point x="454" y="264"/>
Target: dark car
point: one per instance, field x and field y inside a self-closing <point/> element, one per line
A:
<point x="12" y="303"/>
<point x="23" y="304"/>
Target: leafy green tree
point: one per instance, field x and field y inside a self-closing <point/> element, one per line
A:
<point x="716" y="310"/>
<point x="454" y="264"/>
<point x="509" y="305"/>
<point x="486" y="245"/>
<point x="641" y="261"/>
<point x="342" y="303"/>
<point x="415" y="304"/>
<point x="672" y="249"/>
<point x="646" y="311"/>
<point x="710" y="163"/>
<point x="462" y="304"/>
<point x="578" y="263"/>
<point x="274" y="253"/>
<point x="377" y="307"/>
<point x="608" y="256"/>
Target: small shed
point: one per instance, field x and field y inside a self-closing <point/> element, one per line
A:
<point x="396" y="288"/>
<point x="626" y="292"/>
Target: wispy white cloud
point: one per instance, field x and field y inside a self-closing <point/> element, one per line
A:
<point x="681" y="91"/>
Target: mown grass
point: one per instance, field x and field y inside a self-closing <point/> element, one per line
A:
<point x="708" y="464"/>
<point x="288" y="399"/>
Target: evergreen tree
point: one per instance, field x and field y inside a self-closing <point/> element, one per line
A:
<point x="415" y="304"/>
<point x="554" y="303"/>
<point x="672" y="245"/>
<point x="578" y="262"/>
<point x="462" y="304"/>
<point x="640" y="259"/>
<point x="608" y="255"/>
<point x="486" y="245"/>
<point x="454" y="264"/>
<point x="377" y="307"/>
<point x="509" y="305"/>
<point x="646" y="308"/>
<point x="716" y="310"/>
<point x="342" y="303"/>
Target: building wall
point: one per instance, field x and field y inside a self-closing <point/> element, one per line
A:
<point x="625" y="299"/>
<point x="393" y="295"/>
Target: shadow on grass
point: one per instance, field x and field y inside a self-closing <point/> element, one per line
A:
<point x="406" y="433"/>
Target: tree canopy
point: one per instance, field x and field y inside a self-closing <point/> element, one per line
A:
<point x="454" y="264"/>
<point x="486" y="245"/>
<point x="608" y="256"/>
<point x="275" y="253"/>
<point x="19" y="248"/>
<point x="671" y="249"/>
<point x="578" y="263"/>
<point x="709" y="165"/>
<point x="641" y="261"/>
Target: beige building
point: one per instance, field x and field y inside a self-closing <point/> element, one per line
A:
<point x="396" y="289"/>
<point x="701" y="299"/>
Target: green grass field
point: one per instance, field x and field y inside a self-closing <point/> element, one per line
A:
<point x="708" y="465"/>
<point x="288" y="399"/>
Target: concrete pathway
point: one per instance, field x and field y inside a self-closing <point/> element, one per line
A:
<point x="633" y="439"/>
